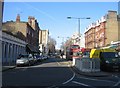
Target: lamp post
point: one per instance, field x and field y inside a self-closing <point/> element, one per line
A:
<point x="78" y="22"/>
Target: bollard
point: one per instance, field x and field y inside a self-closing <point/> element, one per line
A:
<point x="73" y="62"/>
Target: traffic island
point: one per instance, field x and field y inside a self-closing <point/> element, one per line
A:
<point x="88" y="67"/>
<point x="90" y="74"/>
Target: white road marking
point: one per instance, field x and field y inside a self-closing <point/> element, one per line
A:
<point x="69" y="79"/>
<point x="96" y="79"/>
<point x="68" y="65"/>
<point x="80" y="83"/>
<point x="52" y="86"/>
<point x="58" y="63"/>
<point x="117" y="83"/>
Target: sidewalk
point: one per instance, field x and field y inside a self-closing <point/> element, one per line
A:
<point x="91" y="74"/>
<point x="4" y="68"/>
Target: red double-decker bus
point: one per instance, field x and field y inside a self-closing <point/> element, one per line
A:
<point x="85" y="52"/>
<point x="73" y="52"/>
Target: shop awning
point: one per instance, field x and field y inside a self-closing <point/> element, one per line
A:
<point x="32" y="49"/>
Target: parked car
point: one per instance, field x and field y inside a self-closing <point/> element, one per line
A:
<point x="38" y="57"/>
<point x="109" y="61"/>
<point x="25" y="60"/>
<point x="35" y="58"/>
<point x="44" y="57"/>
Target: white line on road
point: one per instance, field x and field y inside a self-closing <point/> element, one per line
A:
<point x="52" y="86"/>
<point x="117" y="83"/>
<point x="118" y="79"/>
<point x="69" y="79"/>
<point x="58" y="63"/>
<point x="80" y="83"/>
<point x="96" y="79"/>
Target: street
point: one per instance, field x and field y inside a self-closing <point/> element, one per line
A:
<point x="56" y="73"/>
<point x="74" y="45"/>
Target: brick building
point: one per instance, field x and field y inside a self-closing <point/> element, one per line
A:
<point x="27" y="31"/>
<point x="104" y="31"/>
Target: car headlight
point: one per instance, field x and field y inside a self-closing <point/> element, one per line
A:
<point x="107" y="61"/>
<point x="25" y="61"/>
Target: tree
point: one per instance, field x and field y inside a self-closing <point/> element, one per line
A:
<point x="51" y="45"/>
<point x="51" y="41"/>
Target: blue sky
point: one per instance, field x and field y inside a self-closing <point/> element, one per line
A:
<point x="53" y="15"/>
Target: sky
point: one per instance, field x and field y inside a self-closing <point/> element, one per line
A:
<point x="53" y="15"/>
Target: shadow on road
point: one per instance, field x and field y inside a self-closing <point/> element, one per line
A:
<point x="36" y="76"/>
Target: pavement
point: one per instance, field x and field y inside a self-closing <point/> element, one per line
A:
<point x="5" y="68"/>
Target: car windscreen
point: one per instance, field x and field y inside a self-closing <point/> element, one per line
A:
<point x="75" y="47"/>
<point x="24" y="56"/>
<point x="108" y="55"/>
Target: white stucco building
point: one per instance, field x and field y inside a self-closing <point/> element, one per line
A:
<point x="78" y="40"/>
<point x="43" y="41"/>
<point x="11" y="48"/>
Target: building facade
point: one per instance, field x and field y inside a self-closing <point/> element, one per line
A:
<point x="11" y="48"/>
<point x="26" y="31"/>
<point x="75" y="38"/>
<point x="35" y="26"/>
<point x="119" y="20"/>
<point x="103" y="32"/>
<point x="90" y="37"/>
<point x="43" y="41"/>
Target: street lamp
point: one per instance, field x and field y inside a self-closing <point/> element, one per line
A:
<point x="78" y="24"/>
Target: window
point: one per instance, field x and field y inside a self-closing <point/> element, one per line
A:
<point x="29" y="32"/>
<point x="96" y="37"/>
<point x="96" y="29"/>
<point x="32" y="34"/>
<point x="102" y="35"/>
<point x="75" y="46"/>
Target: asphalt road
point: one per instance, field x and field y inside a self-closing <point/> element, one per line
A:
<point x="56" y="73"/>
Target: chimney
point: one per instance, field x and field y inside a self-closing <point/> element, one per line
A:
<point x="18" y="18"/>
<point x="112" y="15"/>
